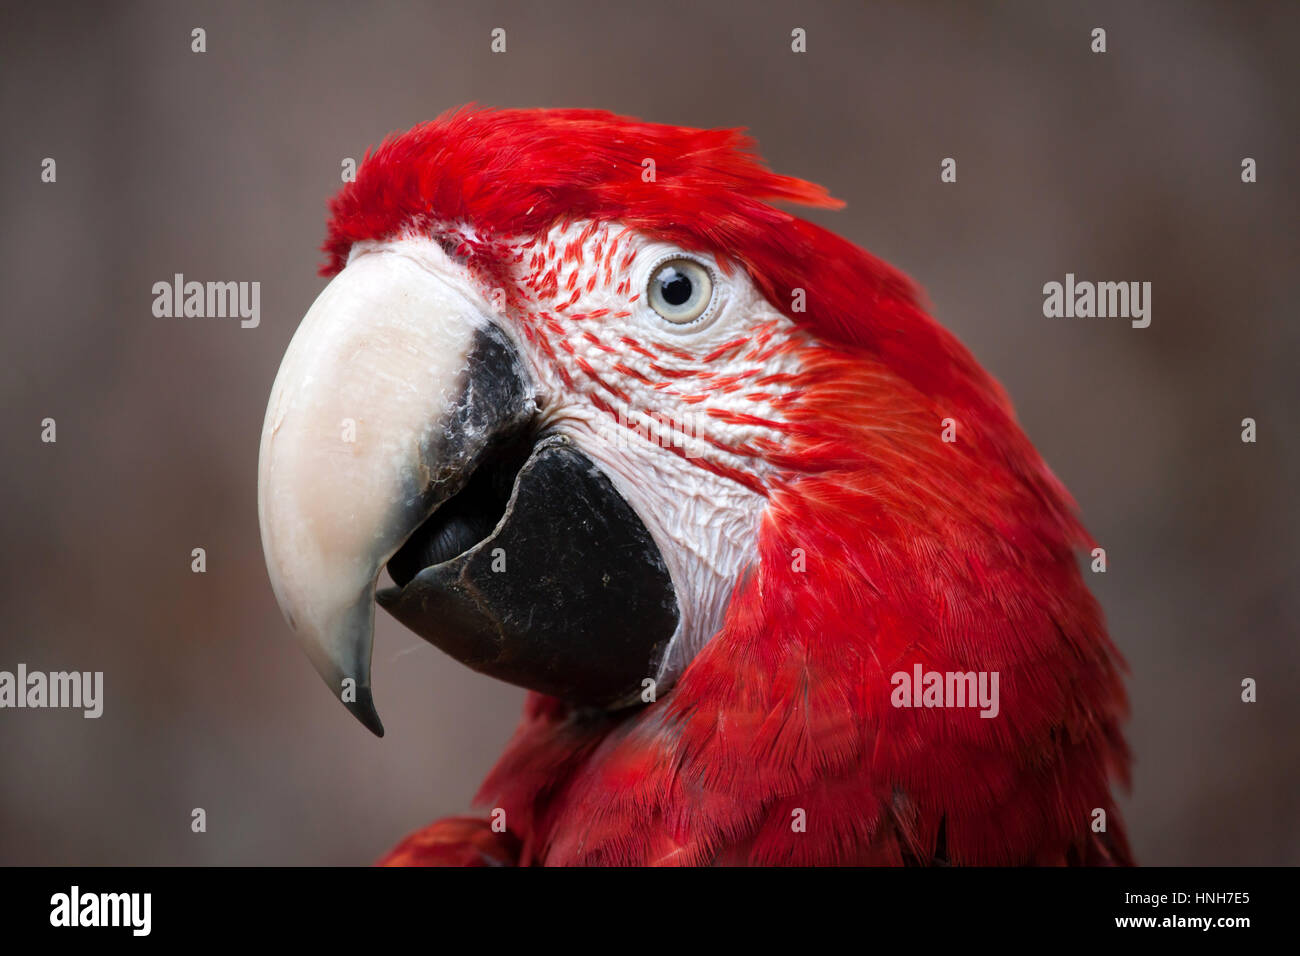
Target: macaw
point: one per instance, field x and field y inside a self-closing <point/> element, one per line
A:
<point x="753" y="529"/>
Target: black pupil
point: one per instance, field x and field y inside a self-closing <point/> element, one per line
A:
<point x="675" y="287"/>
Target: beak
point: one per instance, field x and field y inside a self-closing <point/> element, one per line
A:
<point x="402" y="431"/>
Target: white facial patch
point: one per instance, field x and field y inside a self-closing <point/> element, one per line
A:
<point x="680" y="418"/>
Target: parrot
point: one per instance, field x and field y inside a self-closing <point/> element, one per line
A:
<point x="784" y="579"/>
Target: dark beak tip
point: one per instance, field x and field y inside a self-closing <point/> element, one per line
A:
<point x="363" y="709"/>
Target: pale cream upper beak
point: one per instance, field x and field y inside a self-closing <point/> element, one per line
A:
<point x="355" y="452"/>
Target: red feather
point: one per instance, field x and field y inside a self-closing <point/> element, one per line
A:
<point x="957" y="556"/>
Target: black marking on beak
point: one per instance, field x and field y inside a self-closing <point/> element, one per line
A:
<point x="540" y="574"/>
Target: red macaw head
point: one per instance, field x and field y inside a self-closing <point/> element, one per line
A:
<point x="626" y="434"/>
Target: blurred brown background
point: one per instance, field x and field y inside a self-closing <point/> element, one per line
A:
<point x="1122" y="166"/>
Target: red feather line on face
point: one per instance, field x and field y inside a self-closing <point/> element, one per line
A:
<point x="519" y="172"/>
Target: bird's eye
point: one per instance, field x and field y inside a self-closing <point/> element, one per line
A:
<point x="680" y="290"/>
